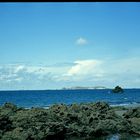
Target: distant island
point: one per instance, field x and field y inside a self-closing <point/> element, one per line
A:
<point x="80" y="87"/>
<point x="117" y="89"/>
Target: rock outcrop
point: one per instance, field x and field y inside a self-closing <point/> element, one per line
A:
<point x="117" y="89"/>
<point x="60" y="122"/>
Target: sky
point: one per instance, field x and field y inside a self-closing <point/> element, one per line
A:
<point x="67" y="44"/>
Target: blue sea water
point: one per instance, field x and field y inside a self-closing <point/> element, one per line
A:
<point x="45" y="98"/>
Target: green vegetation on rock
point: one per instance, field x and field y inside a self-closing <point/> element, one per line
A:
<point x="61" y="122"/>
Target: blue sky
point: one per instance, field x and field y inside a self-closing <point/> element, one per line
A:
<point x="55" y="45"/>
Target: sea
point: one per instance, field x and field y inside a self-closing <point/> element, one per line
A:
<point x="46" y="98"/>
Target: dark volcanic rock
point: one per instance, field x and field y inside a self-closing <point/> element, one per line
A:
<point x="117" y="89"/>
<point x="133" y="112"/>
<point x="133" y="117"/>
<point x="61" y="122"/>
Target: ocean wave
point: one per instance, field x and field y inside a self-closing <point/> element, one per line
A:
<point x="131" y="104"/>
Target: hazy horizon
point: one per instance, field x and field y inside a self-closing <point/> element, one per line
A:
<point x="56" y="45"/>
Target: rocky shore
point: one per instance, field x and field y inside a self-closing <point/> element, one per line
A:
<point x="62" y="122"/>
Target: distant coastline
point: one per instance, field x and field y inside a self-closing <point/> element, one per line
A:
<point x="84" y="88"/>
<point x="65" y="88"/>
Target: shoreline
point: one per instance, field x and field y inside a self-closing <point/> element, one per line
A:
<point x="130" y="105"/>
<point x="63" y="122"/>
<point x="127" y="106"/>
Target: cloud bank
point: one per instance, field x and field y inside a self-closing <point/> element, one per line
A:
<point x="90" y="72"/>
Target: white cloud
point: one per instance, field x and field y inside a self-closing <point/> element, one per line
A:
<point x="19" y="68"/>
<point x="13" y="72"/>
<point x="81" y="41"/>
<point x="41" y="70"/>
<point x="83" y="70"/>
<point x="83" y="67"/>
<point x="107" y="72"/>
<point x="17" y="79"/>
<point x="90" y="71"/>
